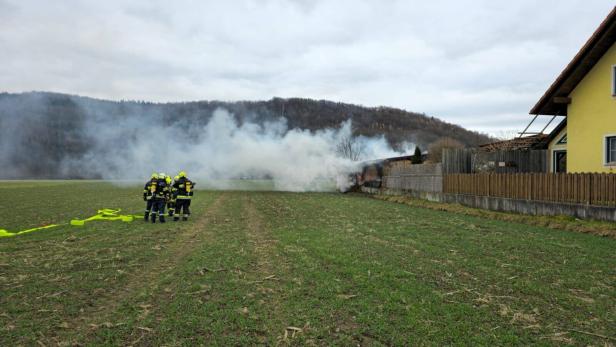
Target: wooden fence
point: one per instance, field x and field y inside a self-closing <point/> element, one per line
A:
<point x="592" y="189"/>
<point x="421" y="178"/>
<point x="535" y="161"/>
<point x="469" y="160"/>
<point x="457" y="160"/>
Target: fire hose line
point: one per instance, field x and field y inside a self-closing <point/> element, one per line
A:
<point x="103" y="214"/>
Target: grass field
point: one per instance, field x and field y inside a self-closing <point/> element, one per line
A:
<point x="289" y="268"/>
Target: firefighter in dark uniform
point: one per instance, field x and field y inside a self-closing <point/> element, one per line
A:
<point x="172" y="195"/>
<point x="184" y="189"/>
<point x="160" y="195"/>
<point x="147" y="195"/>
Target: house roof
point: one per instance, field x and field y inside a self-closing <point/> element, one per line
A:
<point x="555" y="99"/>
<point x="519" y="143"/>
<point x="538" y="141"/>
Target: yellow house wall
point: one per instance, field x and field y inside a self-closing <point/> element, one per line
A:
<point x="554" y="146"/>
<point x="591" y="117"/>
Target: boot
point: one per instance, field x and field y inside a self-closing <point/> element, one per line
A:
<point x="145" y="216"/>
<point x="185" y="218"/>
<point x="176" y="218"/>
<point x="153" y="218"/>
<point x="162" y="218"/>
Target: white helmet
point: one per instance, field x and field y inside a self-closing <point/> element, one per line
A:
<point x="162" y="175"/>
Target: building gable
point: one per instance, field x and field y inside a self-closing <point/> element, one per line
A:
<point x="556" y="98"/>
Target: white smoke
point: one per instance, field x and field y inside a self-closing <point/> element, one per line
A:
<point x="223" y="150"/>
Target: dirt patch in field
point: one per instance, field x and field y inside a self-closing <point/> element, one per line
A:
<point x="261" y="239"/>
<point x="267" y="275"/>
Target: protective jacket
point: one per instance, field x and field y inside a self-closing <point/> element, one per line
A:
<point x="147" y="193"/>
<point x="183" y="188"/>
<point x="159" y="189"/>
<point x="173" y="192"/>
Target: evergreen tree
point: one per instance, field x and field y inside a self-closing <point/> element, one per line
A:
<point x="416" y="157"/>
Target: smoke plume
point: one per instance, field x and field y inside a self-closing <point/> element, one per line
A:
<point x="224" y="149"/>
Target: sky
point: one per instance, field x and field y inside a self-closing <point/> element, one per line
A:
<point x="481" y="64"/>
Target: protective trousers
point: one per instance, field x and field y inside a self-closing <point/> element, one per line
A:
<point x="158" y="207"/>
<point x="171" y="207"/>
<point x="182" y="205"/>
<point x="148" y="208"/>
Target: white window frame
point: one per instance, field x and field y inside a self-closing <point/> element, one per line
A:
<point x="605" y="154"/>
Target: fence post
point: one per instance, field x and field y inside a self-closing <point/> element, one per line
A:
<point x="589" y="189"/>
<point x="529" y="186"/>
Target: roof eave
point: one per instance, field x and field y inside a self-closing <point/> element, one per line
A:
<point x="546" y="105"/>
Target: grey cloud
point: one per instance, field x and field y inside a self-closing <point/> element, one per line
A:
<point x="468" y="62"/>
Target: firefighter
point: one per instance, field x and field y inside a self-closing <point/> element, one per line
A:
<point x="172" y="197"/>
<point x="171" y="200"/>
<point x="160" y="195"/>
<point x="147" y="195"/>
<point x="184" y="190"/>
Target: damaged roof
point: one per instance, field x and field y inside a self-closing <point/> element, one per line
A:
<point x="539" y="141"/>
<point x="519" y="143"/>
<point x="556" y="98"/>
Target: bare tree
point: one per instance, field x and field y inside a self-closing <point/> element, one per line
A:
<point x="435" y="150"/>
<point x="350" y="147"/>
<point x="506" y="134"/>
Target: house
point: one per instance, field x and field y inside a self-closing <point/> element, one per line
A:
<point x="585" y="93"/>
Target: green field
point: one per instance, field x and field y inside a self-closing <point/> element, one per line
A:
<point x="293" y="268"/>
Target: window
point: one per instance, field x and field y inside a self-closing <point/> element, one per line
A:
<point x="610" y="150"/>
<point x="559" y="162"/>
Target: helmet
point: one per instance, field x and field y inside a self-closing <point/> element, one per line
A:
<point x="176" y="178"/>
<point x="154" y="175"/>
<point x="182" y="174"/>
<point x="162" y="175"/>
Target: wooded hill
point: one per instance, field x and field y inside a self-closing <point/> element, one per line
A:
<point x="39" y="129"/>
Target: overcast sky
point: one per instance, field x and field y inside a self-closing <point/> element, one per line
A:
<point x="480" y="64"/>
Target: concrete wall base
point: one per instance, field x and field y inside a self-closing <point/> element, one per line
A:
<point x="537" y="208"/>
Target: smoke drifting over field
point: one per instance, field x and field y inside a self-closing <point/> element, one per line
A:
<point x="296" y="160"/>
<point x="132" y="146"/>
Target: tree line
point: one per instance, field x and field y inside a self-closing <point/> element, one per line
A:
<point x="40" y="129"/>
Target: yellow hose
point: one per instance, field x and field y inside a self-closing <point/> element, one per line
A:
<point x="103" y="214"/>
<point x="4" y="233"/>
